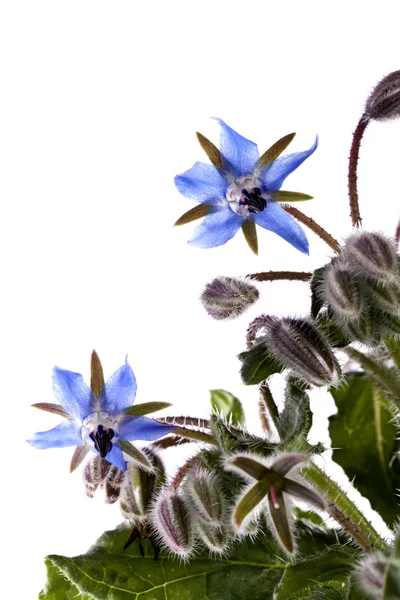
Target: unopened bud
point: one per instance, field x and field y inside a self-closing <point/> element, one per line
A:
<point x="342" y="290"/>
<point x="171" y="518"/>
<point x="98" y="472"/>
<point x="214" y="538"/>
<point x="365" y="329"/>
<point x="142" y="486"/>
<point x="371" y="574"/>
<point x="228" y="297"/>
<point x="384" y="101"/>
<point x="300" y="347"/>
<point x="385" y="297"/>
<point x="205" y="494"/>
<point x="373" y="255"/>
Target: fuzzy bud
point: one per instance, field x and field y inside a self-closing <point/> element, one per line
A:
<point x="142" y="487"/>
<point x="384" y="101"/>
<point x="300" y="346"/>
<point x="371" y="574"/>
<point x="342" y="290"/>
<point x="205" y="495"/>
<point x="228" y="297"/>
<point x="384" y="297"/>
<point x="373" y="255"/>
<point x="214" y="538"/>
<point x="171" y="519"/>
<point x="98" y="472"/>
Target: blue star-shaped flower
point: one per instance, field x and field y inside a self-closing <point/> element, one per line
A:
<point x="99" y="422"/>
<point x="240" y="190"/>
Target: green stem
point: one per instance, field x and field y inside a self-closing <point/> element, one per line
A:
<point x="267" y="404"/>
<point x="311" y="224"/>
<point x="343" y="510"/>
<point x="352" y="176"/>
<point x="385" y="376"/>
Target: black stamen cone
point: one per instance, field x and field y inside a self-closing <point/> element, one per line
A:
<point x="254" y="200"/>
<point x="102" y="440"/>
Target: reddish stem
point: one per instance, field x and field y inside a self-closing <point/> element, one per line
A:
<point x="353" y="164"/>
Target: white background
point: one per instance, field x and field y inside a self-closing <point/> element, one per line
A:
<point x="100" y="102"/>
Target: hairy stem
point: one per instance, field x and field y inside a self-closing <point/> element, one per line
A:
<point x="267" y="408"/>
<point x="311" y="224"/>
<point x="281" y="275"/>
<point x="352" y="176"/>
<point x="183" y="471"/>
<point x="343" y="510"/>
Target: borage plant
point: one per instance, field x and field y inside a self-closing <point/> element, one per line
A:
<point x="251" y="516"/>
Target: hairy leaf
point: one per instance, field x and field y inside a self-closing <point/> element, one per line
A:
<point x="258" y="365"/>
<point x="363" y="436"/>
<point x="227" y="405"/>
<point x="296" y="418"/>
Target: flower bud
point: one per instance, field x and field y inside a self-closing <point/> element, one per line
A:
<point x="301" y="347"/>
<point x="384" y="297"/>
<point x="205" y="495"/>
<point x="342" y="290"/>
<point x="215" y="538"/>
<point x="371" y="574"/>
<point x="98" y="472"/>
<point x="171" y="519"/>
<point x="384" y="101"/>
<point x="142" y="487"/>
<point x="373" y="255"/>
<point x="228" y="297"/>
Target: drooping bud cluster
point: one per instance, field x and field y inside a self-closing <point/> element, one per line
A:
<point x="228" y="297"/>
<point x="362" y="287"/>
<point x="384" y="101"/>
<point x="141" y="488"/>
<point x="300" y="346"/>
<point x="98" y="472"/>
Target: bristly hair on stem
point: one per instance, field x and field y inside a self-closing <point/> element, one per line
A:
<point x="353" y="164"/>
<point x="311" y="224"/>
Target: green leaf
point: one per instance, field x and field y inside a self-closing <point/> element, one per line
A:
<point x="296" y="418"/>
<point x="197" y="212"/>
<point x="258" y="365"/>
<point x="250" y="235"/>
<point x="227" y="405"/>
<point x="146" y="408"/>
<point x="211" y="150"/>
<point x="282" y="196"/>
<point x="96" y="374"/>
<point x="276" y="150"/>
<point x="364" y="436"/>
<point x="325" y="575"/>
<point x="250" y="572"/>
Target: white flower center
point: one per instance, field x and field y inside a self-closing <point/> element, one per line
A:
<point x="245" y="197"/>
<point x="91" y="423"/>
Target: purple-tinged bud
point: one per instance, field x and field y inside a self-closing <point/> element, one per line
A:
<point x="384" y="297"/>
<point x="342" y="290"/>
<point x="214" y="538"/>
<point x="371" y="573"/>
<point x="384" y="101"/>
<point x="171" y="519"/>
<point x="300" y="347"/>
<point x="373" y="255"/>
<point x="205" y="495"/>
<point x="228" y="297"/>
<point x="98" y="472"/>
<point x="142" y="486"/>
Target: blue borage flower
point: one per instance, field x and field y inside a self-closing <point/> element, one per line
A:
<point x="241" y="190"/>
<point x="100" y="422"/>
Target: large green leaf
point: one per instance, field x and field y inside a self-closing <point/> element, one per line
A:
<point x="364" y="436"/>
<point x="258" y="365"/>
<point x="251" y="572"/>
<point x="227" y="405"/>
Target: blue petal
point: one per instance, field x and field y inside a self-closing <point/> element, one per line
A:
<point x="275" y="219"/>
<point x="274" y="175"/>
<point x="239" y="155"/>
<point x="72" y="393"/>
<point x="142" y="428"/>
<point x="116" y="457"/>
<point x="65" y="434"/>
<point x="219" y="226"/>
<point x="119" y="391"/>
<point x="203" y="183"/>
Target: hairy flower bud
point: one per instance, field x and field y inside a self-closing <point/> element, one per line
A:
<point x="205" y="495"/>
<point x="384" y="297"/>
<point x="228" y="297"/>
<point x="214" y="538"/>
<point x="300" y="346"/>
<point x="98" y="472"/>
<point x="371" y="574"/>
<point x="141" y="488"/>
<point x="342" y="290"/>
<point x="172" y="521"/>
<point x="384" y="101"/>
<point x="373" y="255"/>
